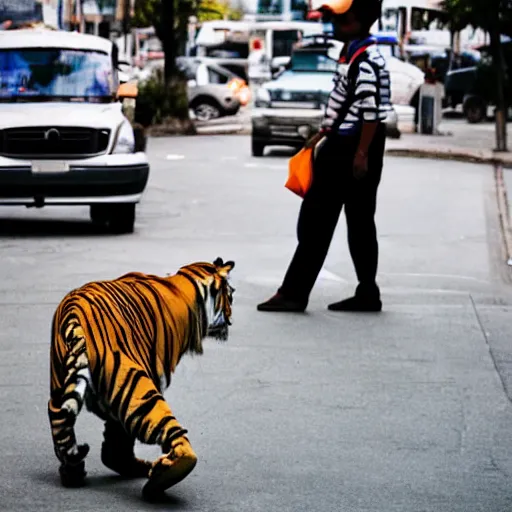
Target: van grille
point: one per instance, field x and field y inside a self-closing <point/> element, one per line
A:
<point x="51" y="142"/>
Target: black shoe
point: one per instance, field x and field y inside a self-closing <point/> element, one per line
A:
<point x="279" y="304"/>
<point x="356" y="304"/>
<point x="366" y="299"/>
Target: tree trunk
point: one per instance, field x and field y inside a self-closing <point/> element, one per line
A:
<point x="168" y="38"/>
<point x="186" y="10"/>
<point x="501" y="104"/>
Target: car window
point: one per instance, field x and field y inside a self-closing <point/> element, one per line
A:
<point x="214" y="77"/>
<point x="312" y="61"/>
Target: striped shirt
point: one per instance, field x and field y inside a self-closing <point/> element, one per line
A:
<point x="372" y="96"/>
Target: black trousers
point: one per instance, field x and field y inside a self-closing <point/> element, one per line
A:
<point x="333" y="187"/>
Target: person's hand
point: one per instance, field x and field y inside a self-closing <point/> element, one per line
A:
<point x="360" y="165"/>
<point x="313" y="141"/>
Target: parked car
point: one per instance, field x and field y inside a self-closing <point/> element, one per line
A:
<point x="473" y="86"/>
<point x="213" y="91"/>
<point x="63" y="137"/>
<point x="290" y="108"/>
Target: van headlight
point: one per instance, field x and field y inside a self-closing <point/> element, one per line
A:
<point x="125" y="140"/>
<point x="263" y="98"/>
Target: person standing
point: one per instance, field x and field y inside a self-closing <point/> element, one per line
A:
<point x="347" y="166"/>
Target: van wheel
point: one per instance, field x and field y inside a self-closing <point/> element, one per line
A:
<point x="119" y="218"/>
<point x="99" y="214"/>
<point x="122" y="218"/>
<point x="258" y="148"/>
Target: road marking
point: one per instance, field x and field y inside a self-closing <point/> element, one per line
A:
<point x="175" y="157"/>
<point x="275" y="279"/>
<point x="329" y="276"/>
<point x="431" y="276"/>
<point x="253" y="165"/>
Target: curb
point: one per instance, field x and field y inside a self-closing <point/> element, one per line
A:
<point x="504" y="212"/>
<point x="467" y="156"/>
<point x="223" y="130"/>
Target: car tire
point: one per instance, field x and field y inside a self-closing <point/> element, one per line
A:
<point x="475" y="110"/>
<point x="119" y="218"/>
<point x="122" y="218"/>
<point x="206" y="110"/>
<point x="99" y="214"/>
<point x="257" y="148"/>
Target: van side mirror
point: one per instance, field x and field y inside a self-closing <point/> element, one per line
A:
<point x="127" y="90"/>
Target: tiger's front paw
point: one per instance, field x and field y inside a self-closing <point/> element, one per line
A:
<point x="73" y="476"/>
<point x="170" y="469"/>
<point x="72" y="470"/>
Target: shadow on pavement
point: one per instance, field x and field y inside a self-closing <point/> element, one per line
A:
<point x="115" y="485"/>
<point x="49" y="227"/>
<point x="452" y="114"/>
<point x="281" y="151"/>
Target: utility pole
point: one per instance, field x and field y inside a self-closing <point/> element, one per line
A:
<point x="499" y="69"/>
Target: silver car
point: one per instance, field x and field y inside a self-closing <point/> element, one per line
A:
<point x="213" y="91"/>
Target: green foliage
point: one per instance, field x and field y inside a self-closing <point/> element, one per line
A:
<point x="147" y="12"/>
<point x="217" y="10"/>
<point x="158" y="101"/>
<point x="479" y="14"/>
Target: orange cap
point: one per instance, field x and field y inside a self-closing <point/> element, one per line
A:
<point x="335" y="6"/>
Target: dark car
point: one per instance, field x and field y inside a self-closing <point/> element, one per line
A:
<point x="474" y="87"/>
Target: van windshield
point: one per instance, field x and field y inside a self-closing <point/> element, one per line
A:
<point x="54" y="74"/>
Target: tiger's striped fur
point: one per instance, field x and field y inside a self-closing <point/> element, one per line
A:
<point x="115" y="345"/>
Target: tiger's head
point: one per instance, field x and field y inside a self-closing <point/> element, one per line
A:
<point x="212" y="281"/>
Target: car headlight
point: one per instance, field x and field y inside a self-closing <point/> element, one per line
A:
<point x="263" y="98"/>
<point x="125" y="141"/>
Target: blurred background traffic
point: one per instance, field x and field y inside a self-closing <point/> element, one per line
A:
<point x="270" y="63"/>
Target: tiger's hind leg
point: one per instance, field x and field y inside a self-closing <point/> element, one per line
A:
<point x="64" y="407"/>
<point x="149" y="418"/>
<point x="117" y="452"/>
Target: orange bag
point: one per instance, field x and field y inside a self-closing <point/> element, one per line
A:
<point x="300" y="166"/>
<point x="300" y="172"/>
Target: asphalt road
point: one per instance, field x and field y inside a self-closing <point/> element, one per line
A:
<point x="403" y="411"/>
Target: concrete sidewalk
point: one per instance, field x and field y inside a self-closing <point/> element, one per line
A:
<point x="463" y="142"/>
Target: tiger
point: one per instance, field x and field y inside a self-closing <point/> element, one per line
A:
<point x="115" y="344"/>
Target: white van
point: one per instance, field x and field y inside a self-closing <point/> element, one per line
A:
<point x="64" y="139"/>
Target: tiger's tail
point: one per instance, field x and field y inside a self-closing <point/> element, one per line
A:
<point x="70" y="378"/>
